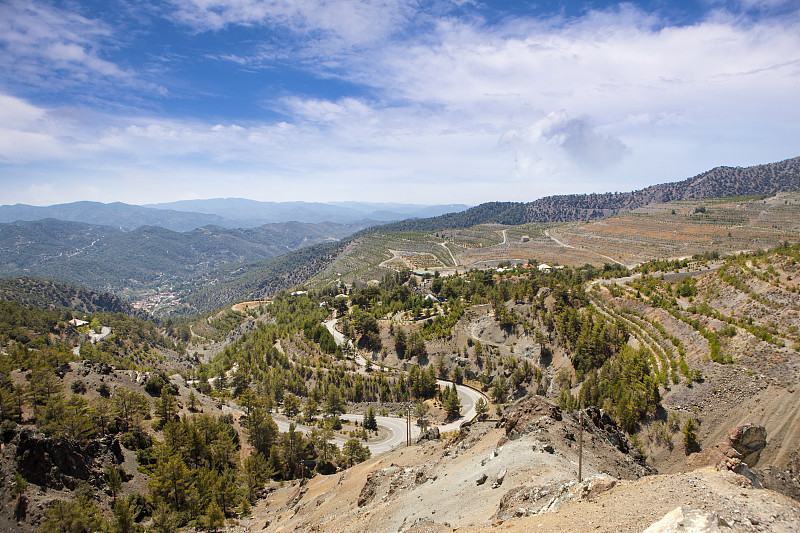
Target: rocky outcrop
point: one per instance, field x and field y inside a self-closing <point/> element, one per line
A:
<point x="525" y="417"/>
<point x="388" y="482"/>
<point x="432" y="433"/>
<point x="748" y="440"/>
<point x="547" y="498"/>
<point x="59" y="463"/>
<point x="737" y="452"/>
<point x="537" y="412"/>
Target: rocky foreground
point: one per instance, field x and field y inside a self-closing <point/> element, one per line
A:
<point x="521" y="475"/>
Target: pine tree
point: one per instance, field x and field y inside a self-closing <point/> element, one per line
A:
<point x="167" y="406"/>
<point x="369" y="420"/>
<point x="114" y="480"/>
<point x="481" y="408"/>
<point x="354" y="452"/>
<point x="123" y="517"/>
<point x="451" y="402"/>
<point x="214" y="517"/>
<point x="689" y="435"/>
<point x="334" y="404"/>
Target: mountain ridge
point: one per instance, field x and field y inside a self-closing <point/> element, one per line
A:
<point x="232" y="213"/>
<point x="55" y="295"/>
<point x="719" y="182"/>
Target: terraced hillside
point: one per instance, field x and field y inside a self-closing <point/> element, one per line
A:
<point x="725" y="338"/>
<point x="685" y="228"/>
<point x="656" y="231"/>
<point x="769" y="179"/>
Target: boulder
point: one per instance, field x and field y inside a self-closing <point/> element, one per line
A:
<point x="432" y="433"/>
<point x="501" y="475"/>
<point x="688" y="520"/>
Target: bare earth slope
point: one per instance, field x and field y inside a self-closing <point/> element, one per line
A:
<point x="519" y="477"/>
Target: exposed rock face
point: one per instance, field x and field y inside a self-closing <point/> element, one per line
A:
<point x="59" y="463"/>
<point x="785" y="482"/>
<point x="518" y="421"/>
<point x="737" y="452"/>
<point x="537" y="412"/>
<point x="387" y="482"/>
<point x="748" y="440"/>
<point x="432" y="433"/>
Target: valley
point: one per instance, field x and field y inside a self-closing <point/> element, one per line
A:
<point x="546" y="372"/>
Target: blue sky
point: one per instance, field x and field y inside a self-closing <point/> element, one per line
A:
<point x="440" y="101"/>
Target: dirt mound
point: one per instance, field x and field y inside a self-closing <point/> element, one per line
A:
<point x="538" y="415"/>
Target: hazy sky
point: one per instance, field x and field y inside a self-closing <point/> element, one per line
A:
<point x="433" y="101"/>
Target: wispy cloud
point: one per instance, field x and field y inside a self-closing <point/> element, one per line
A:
<point x="467" y="109"/>
<point x="556" y="144"/>
<point x="46" y="45"/>
<point x="337" y="22"/>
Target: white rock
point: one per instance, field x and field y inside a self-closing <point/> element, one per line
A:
<point x="686" y="520"/>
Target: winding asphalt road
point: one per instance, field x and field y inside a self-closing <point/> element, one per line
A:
<point x="397" y="426"/>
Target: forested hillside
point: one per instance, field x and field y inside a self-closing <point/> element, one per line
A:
<point x="209" y="417"/>
<point x="131" y="263"/>
<point x="55" y="295"/>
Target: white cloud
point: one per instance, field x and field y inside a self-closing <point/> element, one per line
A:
<point x="40" y="40"/>
<point x="348" y="22"/>
<point x="556" y="143"/>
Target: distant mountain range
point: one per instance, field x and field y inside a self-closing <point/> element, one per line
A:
<point x="116" y="215"/>
<point x="224" y="212"/>
<point x="251" y="213"/>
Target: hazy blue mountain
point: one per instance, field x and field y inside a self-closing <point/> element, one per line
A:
<point x="253" y="213"/>
<point x="117" y="215"/>
<point x="187" y="215"/>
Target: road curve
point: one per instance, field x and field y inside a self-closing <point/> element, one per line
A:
<point x="468" y="396"/>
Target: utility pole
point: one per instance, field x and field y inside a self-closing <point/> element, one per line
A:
<point x="408" y="425"/>
<point x="580" y="448"/>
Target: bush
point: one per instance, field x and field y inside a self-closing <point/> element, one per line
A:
<point x="7" y="429"/>
<point x="335" y="423"/>
<point x="146" y="458"/>
<point x="154" y="384"/>
<point x="136" y="440"/>
<point x="141" y="508"/>
<point x="78" y="386"/>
